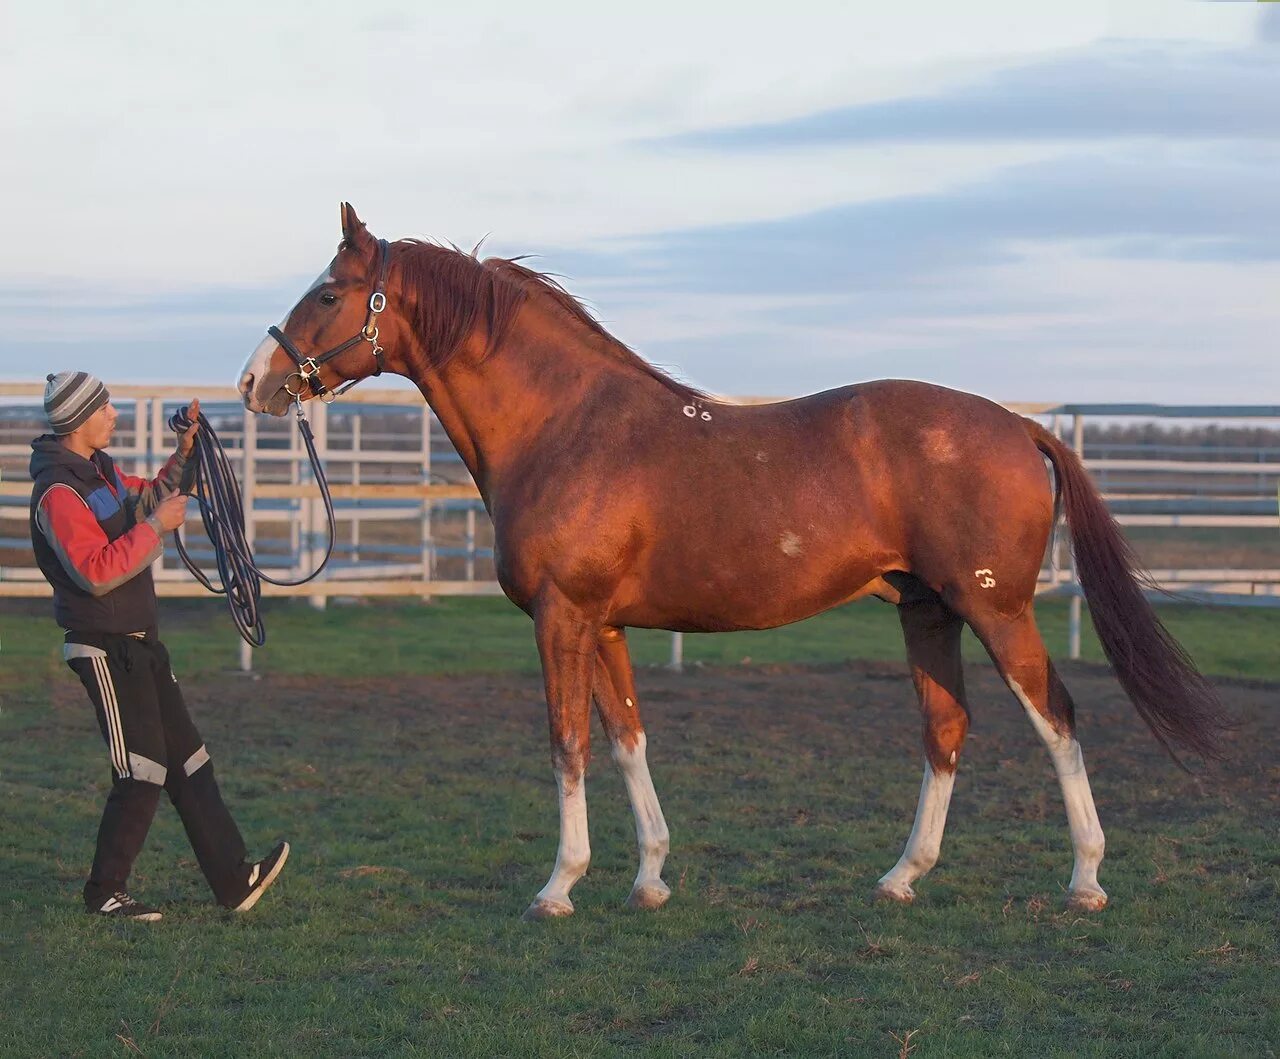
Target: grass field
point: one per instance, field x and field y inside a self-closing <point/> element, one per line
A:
<point x="402" y="748"/>
<point x="490" y="635"/>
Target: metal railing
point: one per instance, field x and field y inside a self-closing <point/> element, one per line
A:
<point x="408" y="512"/>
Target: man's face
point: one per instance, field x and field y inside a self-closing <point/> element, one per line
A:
<point x="96" y="431"/>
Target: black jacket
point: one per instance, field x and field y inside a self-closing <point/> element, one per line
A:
<point x="96" y="547"/>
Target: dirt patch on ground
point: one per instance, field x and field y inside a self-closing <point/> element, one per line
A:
<point x="859" y="719"/>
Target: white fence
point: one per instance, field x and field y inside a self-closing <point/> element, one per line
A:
<point x="411" y="522"/>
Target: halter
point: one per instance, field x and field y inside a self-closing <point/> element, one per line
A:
<point x="308" y="373"/>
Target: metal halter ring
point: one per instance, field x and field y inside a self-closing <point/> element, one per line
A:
<point x="377" y="302"/>
<point x="302" y="385"/>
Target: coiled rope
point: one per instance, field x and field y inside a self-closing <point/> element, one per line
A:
<point x="222" y="512"/>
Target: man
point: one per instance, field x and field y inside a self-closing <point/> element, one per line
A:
<point x="96" y="533"/>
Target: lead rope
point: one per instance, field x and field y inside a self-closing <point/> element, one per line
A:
<point x="222" y="512"/>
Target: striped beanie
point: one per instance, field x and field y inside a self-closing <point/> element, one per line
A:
<point x="71" y="397"/>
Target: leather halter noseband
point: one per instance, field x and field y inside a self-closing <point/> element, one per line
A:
<point x="308" y="373"/>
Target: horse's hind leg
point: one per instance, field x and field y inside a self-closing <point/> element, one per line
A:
<point x="1018" y="651"/>
<point x="932" y="633"/>
<point x="615" y="695"/>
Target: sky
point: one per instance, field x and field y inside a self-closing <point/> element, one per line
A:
<point x="1034" y="202"/>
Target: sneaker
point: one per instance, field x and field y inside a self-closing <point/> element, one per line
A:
<point x="262" y="875"/>
<point x="120" y="905"/>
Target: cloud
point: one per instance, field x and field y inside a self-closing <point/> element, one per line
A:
<point x="1185" y="204"/>
<point x="1093" y="223"/>
<point x="1053" y="323"/>
<point x="1174" y="91"/>
<point x="1097" y="274"/>
<point x="1269" y="24"/>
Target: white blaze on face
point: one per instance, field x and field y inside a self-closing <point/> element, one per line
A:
<point x="254" y="384"/>
<point x="254" y="371"/>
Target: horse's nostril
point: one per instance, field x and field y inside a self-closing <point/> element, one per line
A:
<point x="246" y="383"/>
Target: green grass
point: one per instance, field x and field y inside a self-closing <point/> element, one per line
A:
<point x="490" y="635"/>
<point x="422" y="811"/>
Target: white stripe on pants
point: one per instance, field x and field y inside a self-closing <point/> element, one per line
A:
<point x="111" y="711"/>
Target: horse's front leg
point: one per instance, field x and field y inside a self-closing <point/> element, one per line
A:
<point x="567" y="645"/>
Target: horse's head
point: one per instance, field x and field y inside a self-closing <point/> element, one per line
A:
<point x="333" y="335"/>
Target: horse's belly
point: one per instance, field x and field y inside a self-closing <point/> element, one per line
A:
<point x="720" y="595"/>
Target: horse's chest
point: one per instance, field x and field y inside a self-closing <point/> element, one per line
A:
<point x="584" y="560"/>
<point x="523" y="559"/>
<point x="517" y="578"/>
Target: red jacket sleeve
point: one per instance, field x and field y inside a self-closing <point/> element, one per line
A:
<point x="175" y="475"/>
<point x="94" y="563"/>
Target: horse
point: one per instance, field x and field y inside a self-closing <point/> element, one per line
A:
<point x="622" y="498"/>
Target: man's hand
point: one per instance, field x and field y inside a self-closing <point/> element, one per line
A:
<point x="171" y="512"/>
<point x="187" y="440"/>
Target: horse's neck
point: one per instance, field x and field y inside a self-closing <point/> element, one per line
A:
<point x="496" y="407"/>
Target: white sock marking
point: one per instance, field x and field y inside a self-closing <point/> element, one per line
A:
<point x="925" y="842"/>
<point x="1082" y="816"/>
<point x="651" y="829"/>
<point x="574" y="852"/>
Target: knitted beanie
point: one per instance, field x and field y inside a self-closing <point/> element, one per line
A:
<point x="70" y="398"/>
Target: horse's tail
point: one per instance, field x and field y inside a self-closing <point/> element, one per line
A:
<point x="1169" y="693"/>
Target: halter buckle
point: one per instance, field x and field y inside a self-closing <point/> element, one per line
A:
<point x="377" y="302"/>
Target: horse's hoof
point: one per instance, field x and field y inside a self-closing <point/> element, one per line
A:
<point x="898" y="895"/>
<point x="1087" y="901"/>
<point x="545" y="908"/>
<point x="650" y="896"/>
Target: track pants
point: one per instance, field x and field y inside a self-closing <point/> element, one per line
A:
<point x="154" y="745"/>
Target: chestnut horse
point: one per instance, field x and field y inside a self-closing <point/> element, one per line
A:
<point x="620" y="497"/>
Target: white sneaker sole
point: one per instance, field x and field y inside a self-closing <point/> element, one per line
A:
<point x="146" y="917"/>
<point x="264" y="884"/>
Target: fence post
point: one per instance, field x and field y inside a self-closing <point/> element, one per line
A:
<point x="144" y="465"/>
<point x="1075" y="615"/>
<point x="1055" y="542"/>
<point x="677" y="653"/>
<point x="155" y="433"/>
<point x="356" y="417"/>
<point x="471" y="541"/>
<point x="427" y="548"/>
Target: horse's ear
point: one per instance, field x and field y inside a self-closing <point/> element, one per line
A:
<point x="354" y="233"/>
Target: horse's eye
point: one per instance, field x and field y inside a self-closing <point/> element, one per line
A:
<point x="328" y="298"/>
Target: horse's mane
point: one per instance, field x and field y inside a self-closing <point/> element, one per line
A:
<point x="450" y="292"/>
